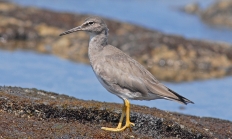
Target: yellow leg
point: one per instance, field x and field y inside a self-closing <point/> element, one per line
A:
<point x="125" y="109"/>
<point x="128" y="123"/>
<point x="122" y="117"/>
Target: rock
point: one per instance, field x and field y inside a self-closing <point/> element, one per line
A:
<point x="60" y="47"/>
<point x="7" y="6"/>
<point x="192" y="8"/>
<point x="219" y="13"/>
<point x="44" y="30"/>
<point x="32" y="113"/>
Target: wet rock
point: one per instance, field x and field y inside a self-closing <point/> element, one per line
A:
<point x="7" y="6"/>
<point x="168" y="57"/>
<point x="32" y="113"/>
<point x="44" y="30"/>
<point x="192" y="8"/>
<point x="218" y="14"/>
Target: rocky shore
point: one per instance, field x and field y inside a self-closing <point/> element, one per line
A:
<point x="168" y="57"/>
<point x="217" y="14"/>
<point x="32" y="113"/>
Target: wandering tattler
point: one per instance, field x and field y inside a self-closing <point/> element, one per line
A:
<point x="119" y="73"/>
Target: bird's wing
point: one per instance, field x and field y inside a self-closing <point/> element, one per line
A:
<point x="122" y="71"/>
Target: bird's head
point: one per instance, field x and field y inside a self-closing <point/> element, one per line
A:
<point x="93" y="25"/>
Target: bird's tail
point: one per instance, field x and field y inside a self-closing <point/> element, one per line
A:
<point x="180" y="98"/>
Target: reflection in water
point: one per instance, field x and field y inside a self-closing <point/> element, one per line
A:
<point x="46" y="72"/>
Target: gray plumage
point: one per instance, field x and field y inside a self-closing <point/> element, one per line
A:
<point x="118" y="72"/>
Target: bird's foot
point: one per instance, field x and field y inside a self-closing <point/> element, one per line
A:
<point x="118" y="129"/>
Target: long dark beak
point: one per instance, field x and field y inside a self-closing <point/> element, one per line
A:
<point x="71" y="30"/>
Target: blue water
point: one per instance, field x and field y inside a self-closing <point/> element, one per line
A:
<point x="160" y="15"/>
<point x="28" y="69"/>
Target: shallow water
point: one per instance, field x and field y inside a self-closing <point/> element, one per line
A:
<point x="28" y="69"/>
<point x="160" y="15"/>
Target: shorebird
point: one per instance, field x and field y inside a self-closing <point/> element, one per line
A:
<point x="119" y="73"/>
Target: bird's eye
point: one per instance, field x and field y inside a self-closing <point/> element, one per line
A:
<point x="91" y="23"/>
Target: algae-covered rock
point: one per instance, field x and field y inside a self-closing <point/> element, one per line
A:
<point x="32" y="113"/>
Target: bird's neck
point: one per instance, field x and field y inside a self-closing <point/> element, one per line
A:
<point x="96" y="43"/>
<point x="98" y="40"/>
